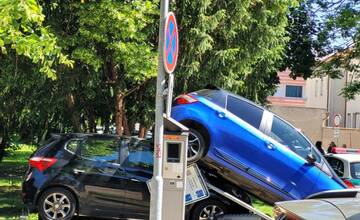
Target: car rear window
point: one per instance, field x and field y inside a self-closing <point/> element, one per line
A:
<point x="47" y="148"/>
<point x="355" y="170"/>
<point x="216" y="96"/>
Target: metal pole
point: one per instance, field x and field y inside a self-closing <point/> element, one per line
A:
<point x="170" y="94"/>
<point x="157" y="180"/>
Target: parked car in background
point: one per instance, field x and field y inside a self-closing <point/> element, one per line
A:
<point x="346" y="164"/>
<point x="251" y="147"/>
<point x="316" y="209"/>
<point x="100" y="175"/>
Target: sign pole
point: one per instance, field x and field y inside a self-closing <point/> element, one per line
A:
<point x="170" y="94"/>
<point x="157" y="180"/>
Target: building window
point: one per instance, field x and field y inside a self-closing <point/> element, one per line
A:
<point x="293" y="91"/>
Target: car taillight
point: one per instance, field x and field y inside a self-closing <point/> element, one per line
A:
<point x="42" y="163"/>
<point x="349" y="184"/>
<point x="185" y="99"/>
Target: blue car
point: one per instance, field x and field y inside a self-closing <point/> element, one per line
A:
<point x="251" y="147"/>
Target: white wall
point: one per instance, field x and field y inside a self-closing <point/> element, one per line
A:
<point x="316" y="92"/>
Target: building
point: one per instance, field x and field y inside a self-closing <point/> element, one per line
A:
<point x="312" y="105"/>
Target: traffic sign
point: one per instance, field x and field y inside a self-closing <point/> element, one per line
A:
<point x="171" y="44"/>
<point x="337" y="120"/>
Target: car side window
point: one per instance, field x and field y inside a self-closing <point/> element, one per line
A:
<point x="105" y="149"/>
<point x="337" y="165"/>
<point x="73" y="145"/>
<point x="245" y="110"/>
<point x="355" y="170"/>
<point x="287" y="135"/>
<point x="136" y="154"/>
<point x="216" y="96"/>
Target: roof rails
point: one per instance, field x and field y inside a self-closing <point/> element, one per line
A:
<point x="341" y="150"/>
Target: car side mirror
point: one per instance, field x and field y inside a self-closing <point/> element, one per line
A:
<point x="310" y="159"/>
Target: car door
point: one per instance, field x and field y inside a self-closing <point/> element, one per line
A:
<point x="98" y="170"/>
<point x="289" y="164"/>
<point x="136" y="158"/>
<point x="239" y="141"/>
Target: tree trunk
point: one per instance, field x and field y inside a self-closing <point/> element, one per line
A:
<point x="3" y="141"/>
<point x="119" y="108"/>
<point x="92" y="122"/>
<point x="74" y="115"/>
<point x="142" y="131"/>
<point x="126" y="127"/>
<point x="107" y="124"/>
<point x="2" y="148"/>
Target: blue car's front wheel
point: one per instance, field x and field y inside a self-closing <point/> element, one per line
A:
<point x="196" y="146"/>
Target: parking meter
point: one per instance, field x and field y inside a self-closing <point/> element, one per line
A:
<point x="174" y="169"/>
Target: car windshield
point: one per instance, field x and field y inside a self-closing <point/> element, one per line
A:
<point x="355" y="170"/>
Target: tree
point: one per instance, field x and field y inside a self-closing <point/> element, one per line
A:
<point x="302" y="47"/>
<point x="340" y="36"/>
<point x="22" y="30"/>
<point x="112" y="44"/>
<point x="237" y="45"/>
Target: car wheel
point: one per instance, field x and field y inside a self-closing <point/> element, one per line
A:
<point x="57" y="203"/>
<point x="196" y="146"/>
<point x="208" y="210"/>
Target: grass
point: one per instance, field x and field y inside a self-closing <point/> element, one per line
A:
<point x="12" y="170"/>
<point x="265" y="208"/>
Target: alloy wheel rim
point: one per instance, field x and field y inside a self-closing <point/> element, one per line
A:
<point x="193" y="146"/>
<point x="211" y="212"/>
<point x="56" y="206"/>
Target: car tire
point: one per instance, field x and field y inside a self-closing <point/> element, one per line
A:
<point x="57" y="203"/>
<point x="208" y="209"/>
<point x="196" y="146"/>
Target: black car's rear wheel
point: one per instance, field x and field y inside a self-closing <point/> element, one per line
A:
<point x="208" y="209"/>
<point x="57" y="204"/>
<point x="196" y="146"/>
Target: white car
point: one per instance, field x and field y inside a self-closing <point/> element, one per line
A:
<point x="346" y="166"/>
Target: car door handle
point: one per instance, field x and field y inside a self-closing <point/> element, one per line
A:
<point x="270" y="146"/>
<point x="77" y="171"/>
<point x="221" y="114"/>
<point x="134" y="180"/>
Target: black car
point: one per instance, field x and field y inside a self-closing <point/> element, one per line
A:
<point x="100" y="176"/>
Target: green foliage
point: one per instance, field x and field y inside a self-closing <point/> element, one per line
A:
<point x="340" y="36"/>
<point x="235" y="44"/>
<point x="22" y="30"/>
<point x="300" y="50"/>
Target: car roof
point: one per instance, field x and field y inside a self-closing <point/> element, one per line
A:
<point x="311" y="209"/>
<point x="81" y="135"/>
<point x="225" y="92"/>
<point x="347" y="157"/>
<point x="320" y="208"/>
<point x="350" y="207"/>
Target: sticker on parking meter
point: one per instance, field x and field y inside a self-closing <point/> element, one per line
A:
<point x="195" y="189"/>
<point x="195" y="186"/>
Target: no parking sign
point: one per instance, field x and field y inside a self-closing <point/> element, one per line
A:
<point x="171" y="44"/>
